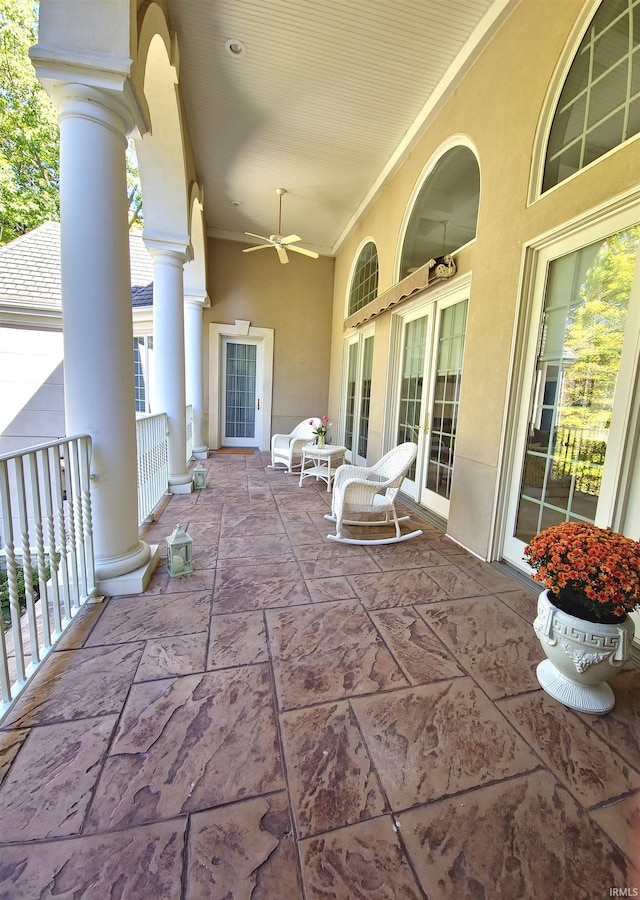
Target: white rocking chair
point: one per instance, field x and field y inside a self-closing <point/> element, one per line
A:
<point x="360" y="490"/>
<point x="286" y="449"/>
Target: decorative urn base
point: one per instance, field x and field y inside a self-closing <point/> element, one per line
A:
<point x="581" y="657"/>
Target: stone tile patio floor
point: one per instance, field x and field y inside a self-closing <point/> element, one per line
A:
<point x="304" y="719"/>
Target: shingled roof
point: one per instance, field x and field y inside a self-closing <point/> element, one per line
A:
<point x="30" y="269"/>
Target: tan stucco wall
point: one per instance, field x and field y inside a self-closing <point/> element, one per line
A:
<point x="497" y="107"/>
<point x="295" y="301"/>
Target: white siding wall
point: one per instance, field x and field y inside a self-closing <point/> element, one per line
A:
<point x="31" y="388"/>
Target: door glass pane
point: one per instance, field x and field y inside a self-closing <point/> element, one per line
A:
<point x="573" y="393"/>
<point x="446" y="400"/>
<point x="365" y="399"/>
<point x="240" y="388"/>
<point x="350" y="406"/>
<point x="415" y="335"/>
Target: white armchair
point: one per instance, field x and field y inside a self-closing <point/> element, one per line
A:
<point x="371" y="491"/>
<point x="286" y="449"/>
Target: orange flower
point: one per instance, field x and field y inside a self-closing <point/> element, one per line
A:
<point x="598" y="567"/>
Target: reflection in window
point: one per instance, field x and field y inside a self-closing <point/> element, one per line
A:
<point x="445" y="214"/>
<point x="349" y="418"/>
<point x="415" y="336"/>
<point x="573" y="393"/>
<point x="599" y="106"/>
<point x="365" y="399"/>
<point x="444" y="413"/>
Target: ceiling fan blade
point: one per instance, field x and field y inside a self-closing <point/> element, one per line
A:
<point x="261" y="236"/>
<point x="290" y="239"/>
<point x="302" y="250"/>
<point x="257" y="247"/>
<point x="282" y="254"/>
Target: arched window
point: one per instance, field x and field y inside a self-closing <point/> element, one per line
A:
<point x="599" y="106"/>
<point x="364" y="285"/>
<point x="445" y="214"/>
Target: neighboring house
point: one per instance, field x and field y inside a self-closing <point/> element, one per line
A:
<point x="31" y="346"/>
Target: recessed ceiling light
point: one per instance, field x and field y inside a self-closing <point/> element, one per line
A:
<point x="235" y="48"/>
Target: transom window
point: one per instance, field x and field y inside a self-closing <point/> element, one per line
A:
<point x="364" y="286"/>
<point x="445" y="214"/>
<point x="599" y="106"/>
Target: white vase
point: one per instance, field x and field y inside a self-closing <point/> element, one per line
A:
<point x="581" y="657"/>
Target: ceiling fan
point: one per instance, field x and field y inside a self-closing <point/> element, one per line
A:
<point x="281" y="242"/>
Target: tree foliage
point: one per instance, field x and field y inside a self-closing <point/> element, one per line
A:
<point x="595" y="332"/>
<point x="29" y="134"/>
<point x="29" y="137"/>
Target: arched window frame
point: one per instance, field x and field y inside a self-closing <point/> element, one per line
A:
<point x="352" y="274"/>
<point x="458" y="140"/>
<point x="545" y="121"/>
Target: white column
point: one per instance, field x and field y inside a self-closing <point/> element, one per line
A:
<point x="97" y="321"/>
<point x="193" y="306"/>
<point x="169" y="387"/>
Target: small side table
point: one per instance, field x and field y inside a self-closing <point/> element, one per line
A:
<point x="324" y="462"/>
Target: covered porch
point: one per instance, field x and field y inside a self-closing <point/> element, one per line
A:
<point x="303" y="719"/>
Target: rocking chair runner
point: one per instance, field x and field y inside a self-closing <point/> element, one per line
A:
<point x="360" y="490"/>
<point x="286" y="449"/>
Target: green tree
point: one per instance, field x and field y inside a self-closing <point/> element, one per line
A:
<point x="29" y="134"/>
<point x="595" y="332"/>
<point x="29" y="137"/>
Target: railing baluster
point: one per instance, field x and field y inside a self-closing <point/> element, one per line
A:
<point x="55" y="553"/>
<point x="27" y="569"/>
<point x="12" y="571"/>
<point x="41" y="560"/>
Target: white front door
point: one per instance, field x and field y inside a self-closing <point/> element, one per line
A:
<point x="240" y="385"/>
<point x="241" y="406"/>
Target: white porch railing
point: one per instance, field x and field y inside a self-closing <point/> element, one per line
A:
<point x="47" y="543"/>
<point x="153" y="463"/>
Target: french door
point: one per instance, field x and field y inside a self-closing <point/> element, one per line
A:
<point x="241" y="412"/>
<point x="430" y="357"/>
<point x="578" y="422"/>
<point x="357" y="400"/>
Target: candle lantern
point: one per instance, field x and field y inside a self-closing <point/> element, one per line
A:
<point x="179" y="545"/>
<point x="199" y="476"/>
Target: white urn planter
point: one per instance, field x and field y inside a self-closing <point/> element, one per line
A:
<point x="581" y="657"/>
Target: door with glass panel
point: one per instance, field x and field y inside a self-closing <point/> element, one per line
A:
<point x="241" y="405"/>
<point x="577" y="428"/>
<point x="441" y="422"/>
<point x="413" y="395"/>
<point x="359" y="365"/>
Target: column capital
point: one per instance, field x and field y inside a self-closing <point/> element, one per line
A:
<point x="198" y="299"/>
<point x="92" y="77"/>
<point x="176" y="247"/>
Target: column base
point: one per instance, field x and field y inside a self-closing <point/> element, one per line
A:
<point x="200" y="452"/>
<point x="135" y="582"/>
<point x="181" y="484"/>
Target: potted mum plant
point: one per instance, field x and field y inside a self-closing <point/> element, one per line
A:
<point x="592" y="581"/>
<point x="320" y="430"/>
